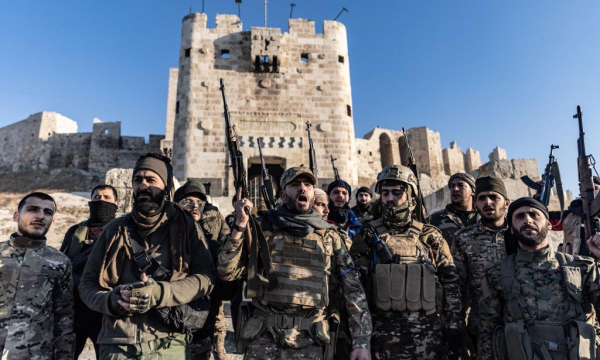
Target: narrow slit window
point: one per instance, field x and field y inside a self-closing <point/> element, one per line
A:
<point x="349" y="110"/>
<point x="304" y="58"/>
<point x="264" y="59"/>
<point x="341" y="59"/>
<point x="177" y="107"/>
<point x="225" y="54"/>
<point x="188" y="51"/>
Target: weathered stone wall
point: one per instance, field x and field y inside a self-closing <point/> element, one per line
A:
<point x="171" y="103"/>
<point x="454" y="159"/>
<point x="24" y="145"/>
<point x="472" y="160"/>
<point x="275" y="82"/>
<point x="120" y="179"/>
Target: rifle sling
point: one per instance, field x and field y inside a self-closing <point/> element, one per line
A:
<point x="145" y="263"/>
<point x="255" y="280"/>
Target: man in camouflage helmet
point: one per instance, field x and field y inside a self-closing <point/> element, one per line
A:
<point x="480" y="245"/>
<point x="537" y="303"/>
<point x="460" y="213"/>
<point x="192" y="198"/>
<point x="290" y="319"/>
<point x="411" y="278"/>
<point x="36" y="290"/>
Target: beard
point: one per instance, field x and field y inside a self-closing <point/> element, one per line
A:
<point x="532" y="240"/>
<point x="461" y="202"/>
<point x="147" y="206"/>
<point x="499" y="214"/>
<point x="294" y="206"/>
<point x="35" y="233"/>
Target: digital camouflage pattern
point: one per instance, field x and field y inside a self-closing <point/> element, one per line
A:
<point x="36" y="301"/>
<point x="408" y="334"/>
<point x="542" y="295"/>
<point x="233" y="260"/>
<point x="449" y="222"/>
<point x="475" y="249"/>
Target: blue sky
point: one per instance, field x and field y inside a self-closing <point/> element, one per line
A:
<point x="481" y="72"/>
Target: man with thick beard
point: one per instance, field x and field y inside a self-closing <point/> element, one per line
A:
<point x="411" y="278"/>
<point x="145" y="269"/>
<point x="364" y="196"/>
<point x="36" y="300"/>
<point x="291" y="320"/>
<point x="460" y="213"/>
<point x="537" y="303"/>
<point x="340" y="213"/>
<point x="77" y="245"/>
<point x="479" y="246"/>
<point x="320" y="205"/>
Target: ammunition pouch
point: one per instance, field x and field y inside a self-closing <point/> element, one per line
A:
<point x="253" y="328"/>
<point x="545" y="341"/>
<point x="402" y="287"/>
<point x="185" y="318"/>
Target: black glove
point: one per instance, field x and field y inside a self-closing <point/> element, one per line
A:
<point x="145" y="297"/>
<point x="115" y="296"/>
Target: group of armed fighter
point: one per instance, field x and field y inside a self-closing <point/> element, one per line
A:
<point x="307" y="276"/>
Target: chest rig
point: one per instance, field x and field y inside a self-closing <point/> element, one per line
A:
<point x="408" y="283"/>
<point x="572" y="336"/>
<point x="302" y="267"/>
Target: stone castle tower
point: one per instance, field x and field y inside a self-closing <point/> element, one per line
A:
<point x="275" y="82"/>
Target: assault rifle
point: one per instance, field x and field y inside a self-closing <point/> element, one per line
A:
<point x="550" y="176"/>
<point x="312" y="156"/>
<point x="382" y="251"/>
<point x="253" y="229"/>
<point x="266" y="189"/>
<point x="420" y="210"/>
<point x="591" y="201"/>
<point x="335" y="170"/>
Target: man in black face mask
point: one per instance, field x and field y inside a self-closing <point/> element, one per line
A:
<point x="77" y="245"/>
<point x="145" y="270"/>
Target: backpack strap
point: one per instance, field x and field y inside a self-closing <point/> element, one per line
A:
<point x="511" y="288"/>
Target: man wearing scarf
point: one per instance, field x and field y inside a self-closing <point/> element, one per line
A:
<point x="538" y="303"/>
<point x="291" y="320"/>
<point x="460" y="213"/>
<point x="479" y="246"/>
<point x="364" y="195"/>
<point x="36" y="290"/>
<point x="409" y="270"/>
<point x="340" y="213"/>
<point x="77" y="245"/>
<point x="115" y="284"/>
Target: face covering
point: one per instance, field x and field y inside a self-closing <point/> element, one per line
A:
<point x="101" y="212"/>
<point x="396" y="216"/>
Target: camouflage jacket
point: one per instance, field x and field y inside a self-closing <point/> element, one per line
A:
<point x="36" y="301"/>
<point x="475" y="249"/>
<point x="542" y="297"/>
<point x="213" y="224"/>
<point x="432" y="239"/>
<point x="340" y="270"/>
<point x="449" y="222"/>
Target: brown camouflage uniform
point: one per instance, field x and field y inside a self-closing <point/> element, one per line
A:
<point x="449" y="222"/>
<point x="541" y="297"/>
<point x="269" y="332"/>
<point x="36" y="301"/>
<point x="412" y="334"/>
<point x="475" y="249"/>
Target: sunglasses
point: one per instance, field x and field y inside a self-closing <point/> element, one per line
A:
<point x="192" y="202"/>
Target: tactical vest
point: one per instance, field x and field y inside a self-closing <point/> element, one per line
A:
<point x="409" y="283"/>
<point x="572" y="337"/>
<point x="302" y="267"/>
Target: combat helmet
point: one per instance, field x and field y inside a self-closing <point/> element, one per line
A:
<point x="397" y="173"/>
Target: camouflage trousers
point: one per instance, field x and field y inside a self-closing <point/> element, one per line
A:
<point x="174" y="348"/>
<point x="408" y="336"/>
<point x="265" y="347"/>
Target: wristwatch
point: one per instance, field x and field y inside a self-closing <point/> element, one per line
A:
<point x="239" y="228"/>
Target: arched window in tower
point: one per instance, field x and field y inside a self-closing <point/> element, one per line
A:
<point x="385" y="150"/>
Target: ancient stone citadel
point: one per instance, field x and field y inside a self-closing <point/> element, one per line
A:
<point x="275" y="82"/>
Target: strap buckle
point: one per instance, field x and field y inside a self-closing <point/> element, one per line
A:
<point x="552" y="346"/>
<point x="142" y="260"/>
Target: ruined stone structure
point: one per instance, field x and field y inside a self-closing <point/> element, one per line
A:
<point x="48" y="140"/>
<point x="276" y="82"/>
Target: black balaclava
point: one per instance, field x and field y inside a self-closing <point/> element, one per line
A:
<point x="101" y="212"/>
